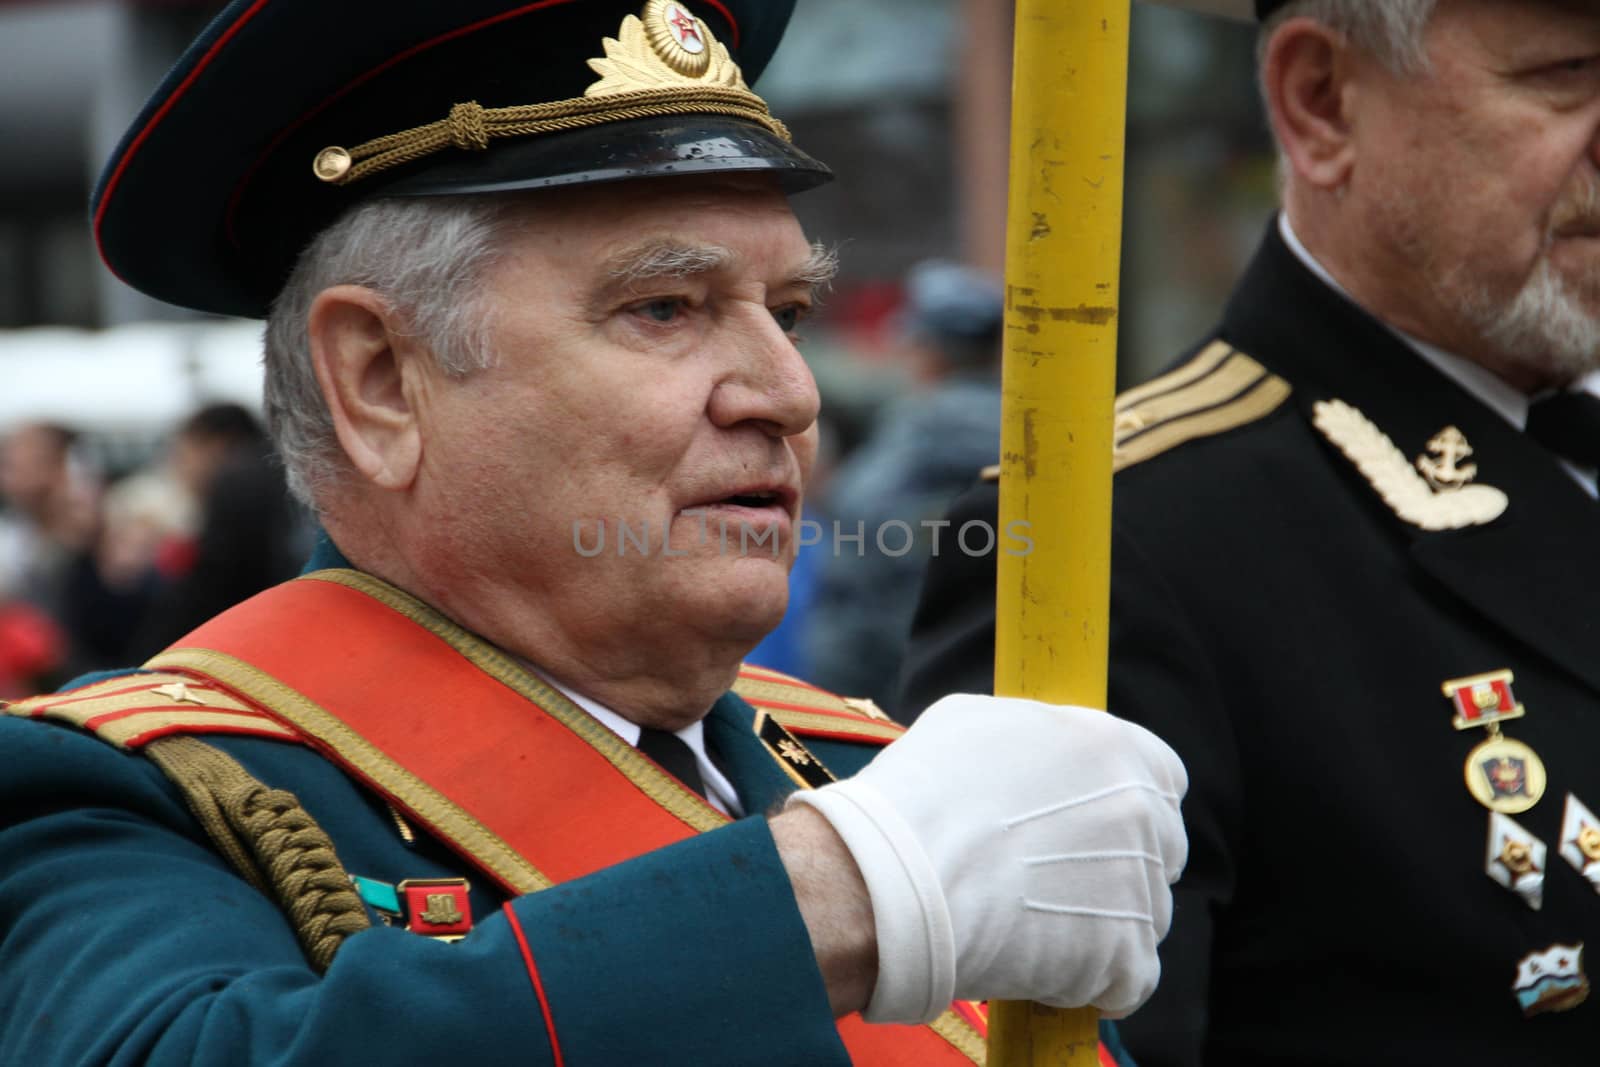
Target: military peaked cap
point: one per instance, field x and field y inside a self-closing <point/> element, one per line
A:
<point x="284" y="113"/>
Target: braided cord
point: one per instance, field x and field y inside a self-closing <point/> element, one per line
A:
<point x="471" y="127"/>
<point x="271" y="840"/>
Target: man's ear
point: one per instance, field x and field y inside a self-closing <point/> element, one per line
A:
<point x="370" y="376"/>
<point x="1306" y="78"/>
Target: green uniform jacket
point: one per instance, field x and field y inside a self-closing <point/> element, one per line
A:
<point x="124" y="938"/>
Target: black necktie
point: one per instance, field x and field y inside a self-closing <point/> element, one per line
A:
<point x="1568" y="424"/>
<point x="674" y="755"/>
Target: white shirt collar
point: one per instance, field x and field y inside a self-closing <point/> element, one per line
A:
<point x="719" y="791"/>
<point x="1501" y="397"/>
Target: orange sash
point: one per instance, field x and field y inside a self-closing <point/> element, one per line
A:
<point x="382" y="685"/>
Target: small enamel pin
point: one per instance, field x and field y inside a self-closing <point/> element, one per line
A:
<point x="1516" y="859"/>
<point x="1580" y="840"/>
<point x="381" y="897"/>
<point x="1552" y="980"/>
<point x="1503" y="774"/>
<point x="437" y="907"/>
<point x="434" y="907"/>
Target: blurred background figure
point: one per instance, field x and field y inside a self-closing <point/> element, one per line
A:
<point x="50" y="506"/>
<point x="927" y="446"/>
<point x="48" y="521"/>
<point x="250" y="534"/>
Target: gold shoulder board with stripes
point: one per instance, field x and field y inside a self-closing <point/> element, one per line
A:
<point x="133" y="709"/>
<point x="806" y="711"/>
<point x="1219" y="389"/>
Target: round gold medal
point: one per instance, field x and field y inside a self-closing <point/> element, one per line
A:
<point x="1505" y="775"/>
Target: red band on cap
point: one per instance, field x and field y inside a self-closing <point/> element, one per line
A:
<point x="727" y="16"/>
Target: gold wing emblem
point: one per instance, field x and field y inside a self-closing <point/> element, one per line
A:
<point x="639" y="59"/>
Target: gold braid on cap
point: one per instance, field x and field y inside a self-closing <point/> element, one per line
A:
<point x="665" y="62"/>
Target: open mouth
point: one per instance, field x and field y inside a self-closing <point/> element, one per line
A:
<point x="761" y="498"/>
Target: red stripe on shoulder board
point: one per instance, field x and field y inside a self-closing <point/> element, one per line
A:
<point x="161" y="113"/>
<point x="767" y="674"/>
<point x="155" y="734"/>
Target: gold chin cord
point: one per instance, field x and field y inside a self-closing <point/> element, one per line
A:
<point x="1063" y="253"/>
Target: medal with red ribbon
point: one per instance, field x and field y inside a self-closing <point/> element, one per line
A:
<point x="1503" y="774"/>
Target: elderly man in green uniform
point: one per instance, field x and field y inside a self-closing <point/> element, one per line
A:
<point x="1355" y="542"/>
<point x="489" y="784"/>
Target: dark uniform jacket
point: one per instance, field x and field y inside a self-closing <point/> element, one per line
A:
<point x="1279" y="623"/>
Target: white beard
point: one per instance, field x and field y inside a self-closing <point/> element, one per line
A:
<point x="1545" y="327"/>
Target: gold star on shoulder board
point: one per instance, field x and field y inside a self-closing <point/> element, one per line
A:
<point x="178" y="693"/>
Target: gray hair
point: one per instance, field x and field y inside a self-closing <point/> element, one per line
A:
<point x="1394" y="31"/>
<point x="425" y="257"/>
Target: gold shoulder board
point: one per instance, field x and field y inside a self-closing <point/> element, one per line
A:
<point x="133" y="709"/>
<point x="1217" y="390"/>
<point x="807" y="711"/>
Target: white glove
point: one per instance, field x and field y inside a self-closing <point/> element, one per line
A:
<point x="1014" y="850"/>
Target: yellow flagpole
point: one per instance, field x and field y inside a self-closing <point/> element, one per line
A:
<point x="1063" y="252"/>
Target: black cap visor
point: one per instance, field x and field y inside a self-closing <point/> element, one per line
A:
<point x="614" y="152"/>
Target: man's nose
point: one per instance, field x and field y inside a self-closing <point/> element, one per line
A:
<point x="767" y="380"/>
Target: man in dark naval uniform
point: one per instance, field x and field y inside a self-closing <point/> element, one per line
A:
<point x="1355" y="534"/>
<point x="489" y="785"/>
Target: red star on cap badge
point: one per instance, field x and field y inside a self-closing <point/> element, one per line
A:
<point x="684" y="23"/>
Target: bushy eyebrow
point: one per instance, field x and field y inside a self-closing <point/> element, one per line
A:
<point x="820" y="267"/>
<point x="675" y="259"/>
<point x="666" y="259"/>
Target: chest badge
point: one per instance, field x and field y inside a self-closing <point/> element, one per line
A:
<point x="1516" y="859"/>
<point x="1580" y="840"/>
<point x="1502" y="774"/>
<point x="1552" y="980"/>
<point x="437" y="907"/>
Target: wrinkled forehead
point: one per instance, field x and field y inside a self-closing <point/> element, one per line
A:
<point x="655" y="227"/>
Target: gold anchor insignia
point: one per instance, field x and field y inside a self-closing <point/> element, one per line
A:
<point x="441" y="910"/>
<point x="1414" y="498"/>
<point x="794" y="753"/>
<point x="1444" y="470"/>
<point x="178" y="693"/>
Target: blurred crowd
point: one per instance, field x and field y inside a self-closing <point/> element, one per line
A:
<point x="100" y="570"/>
